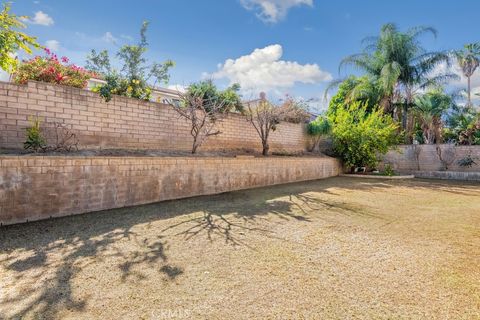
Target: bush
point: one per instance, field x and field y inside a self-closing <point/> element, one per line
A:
<point x="52" y="70"/>
<point x="388" y="171"/>
<point x="317" y="128"/>
<point x="359" y="136"/>
<point x="35" y="140"/>
<point x="134" y="88"/>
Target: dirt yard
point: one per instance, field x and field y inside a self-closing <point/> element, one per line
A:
<point x="336" y="248"/>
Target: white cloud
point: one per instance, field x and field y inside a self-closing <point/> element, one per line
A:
<point x="41" y="18"/>
<point x="109" y="38"/>
<point x="273" y="11"/>
<point x="263" y="70"/>
<point x="53" y="45"/>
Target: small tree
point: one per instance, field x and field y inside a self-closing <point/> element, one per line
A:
<point x="316" y="129"/>
<point x="265" y="116"/>
<point x="12" y="40"/>
<point x="204" y="106"/>
<point x="359" y="136"/>
<point x="136" y="73"/>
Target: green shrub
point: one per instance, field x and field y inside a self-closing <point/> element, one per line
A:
<point x="53" y="70"/>
<point x="35" y="140"/>
<point x="318" y="128"/>
<point x="388" y="170"/>
<point x="132" y="88"/>
<point x="467" y="162"/>
<point x="360" y="136"/>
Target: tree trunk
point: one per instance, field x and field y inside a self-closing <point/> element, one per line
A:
<point x="404" y="120"/>
<point x="469" y="92"/>
<point x="194" y="146"/>
<point x="266" y="147"/>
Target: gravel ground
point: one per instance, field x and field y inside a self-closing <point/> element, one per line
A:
<point x="330" y="249"/>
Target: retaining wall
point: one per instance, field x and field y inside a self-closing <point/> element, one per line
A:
<point x="34" y="187"/>
<point x="123" y="122"/>
<point x="410" y="158"/>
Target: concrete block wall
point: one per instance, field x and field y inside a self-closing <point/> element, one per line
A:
<point x="123" y="122"/>
<point x="35" y="187"/>
<point x="409" y="158"/>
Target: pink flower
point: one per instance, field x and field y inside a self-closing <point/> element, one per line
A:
<point x="65" y="59"/>
<point x="47" y="51"/>
<point x="58" y="78"/>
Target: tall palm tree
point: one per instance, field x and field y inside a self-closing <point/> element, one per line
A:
<point x="400" y="64"/>
<point x="469" y="59"/>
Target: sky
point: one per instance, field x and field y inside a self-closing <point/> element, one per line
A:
<point x="278" y="46"/>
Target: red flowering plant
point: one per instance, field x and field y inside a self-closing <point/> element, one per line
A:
<point x="50" y="68"/>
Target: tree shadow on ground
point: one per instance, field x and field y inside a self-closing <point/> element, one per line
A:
<point x="227" y="216"/>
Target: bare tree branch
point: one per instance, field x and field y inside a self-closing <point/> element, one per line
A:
<point x="203" y="116"/>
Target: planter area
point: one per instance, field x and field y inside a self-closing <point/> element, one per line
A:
<point x="373" y="176"/>
<point x="448" y="175"/>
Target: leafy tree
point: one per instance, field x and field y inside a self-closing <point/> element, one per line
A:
<point x="429" y="109"/>
<point x="12" y="40"/>
<point x="360" y="136"/>
<point x="208" y="92"/>
<point x="203" y="106"/>
<point x="364" y="89"/>
<point x="265" y="116"/>
<point x="469" y="59"/>
<point x="317" y="129"/>
<point x="400" y="65"/>
<point x="134" y="77"/>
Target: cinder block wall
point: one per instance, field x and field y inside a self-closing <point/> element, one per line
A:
<point x="123" y="122"/>
<point x="33" y="188"/>
<point x="409" y="158"/>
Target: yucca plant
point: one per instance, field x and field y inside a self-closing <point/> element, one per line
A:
<point x="35" y="140"/>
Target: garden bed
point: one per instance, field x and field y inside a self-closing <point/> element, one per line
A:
<point x="377" y="176"/>
<point x="155" y="153"/>
<point x="448" y="175"/>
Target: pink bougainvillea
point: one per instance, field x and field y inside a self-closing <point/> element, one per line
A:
<point x="50" y="69"/>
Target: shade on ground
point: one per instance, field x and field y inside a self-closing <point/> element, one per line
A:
<point x="334" y="248"/>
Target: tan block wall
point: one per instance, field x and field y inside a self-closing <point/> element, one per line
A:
<point x="123" y="122"/>
<point x="33" y="188"/>
<point x="405" y="158"/>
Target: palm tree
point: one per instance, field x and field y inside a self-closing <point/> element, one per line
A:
<point x="469" y="59"/>
<point x="400" y="64"/>
<point x="429" y="109"/>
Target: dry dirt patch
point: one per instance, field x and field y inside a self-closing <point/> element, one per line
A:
<point x="334" y="248"/>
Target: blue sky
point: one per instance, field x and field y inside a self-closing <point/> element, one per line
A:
<point x="299" y="42"/>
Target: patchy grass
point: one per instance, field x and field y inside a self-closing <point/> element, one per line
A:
<point x="335" y="248"/>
